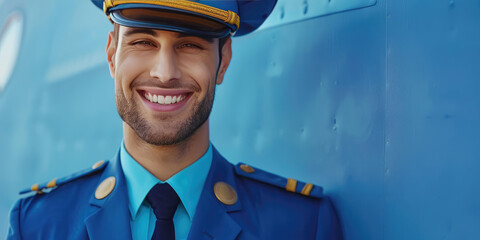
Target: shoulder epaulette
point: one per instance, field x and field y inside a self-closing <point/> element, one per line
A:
<point x="40" y="188"/>
<point x="288" y="184"/>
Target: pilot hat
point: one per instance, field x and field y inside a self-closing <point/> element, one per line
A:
<point x="206" y="18"/>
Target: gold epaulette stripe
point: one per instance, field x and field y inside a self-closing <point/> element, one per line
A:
<point x="226" y="16"/>
<point x="52" y="183"/>
<point x="34" y="187"/>
<point x="307" y="189"/>
<point x="291" y="185"/>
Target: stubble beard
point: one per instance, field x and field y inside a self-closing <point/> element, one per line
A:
<point x="182" y="130"/>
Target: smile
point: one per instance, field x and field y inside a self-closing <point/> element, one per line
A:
<point x="164" y="99"/>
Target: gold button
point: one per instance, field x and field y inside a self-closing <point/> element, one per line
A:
<point x="225" y="193"/>
<point x="105" y="188"/>
<point x="246" y="168"/>
<point x="98" y="164"/>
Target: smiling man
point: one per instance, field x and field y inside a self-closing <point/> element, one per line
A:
<point x="168" y="181"/>
<point x="164" y="87"/>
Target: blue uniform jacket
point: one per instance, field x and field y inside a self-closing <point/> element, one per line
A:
<point x="264" y="209"/>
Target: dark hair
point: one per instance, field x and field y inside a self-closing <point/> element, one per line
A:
<point x="116" y="30"/>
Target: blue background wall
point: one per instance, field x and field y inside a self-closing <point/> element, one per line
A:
<point x="374" y="100"/>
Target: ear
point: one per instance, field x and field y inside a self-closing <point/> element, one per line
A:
<point x="226" y="57"/>
<point x="111" y="50"/>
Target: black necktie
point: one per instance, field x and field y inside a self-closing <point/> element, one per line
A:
<point x="164" y="201"/>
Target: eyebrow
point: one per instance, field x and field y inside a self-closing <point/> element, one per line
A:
<point x="132" y="31"/>
<point x="184" y="35"/>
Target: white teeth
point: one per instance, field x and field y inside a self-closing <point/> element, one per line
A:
<point x="164" y="99"/>
<point x="168" y="99"/>
<point x="161" y="99"/>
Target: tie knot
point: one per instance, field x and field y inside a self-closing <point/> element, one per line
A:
<point x="164" y="201"/>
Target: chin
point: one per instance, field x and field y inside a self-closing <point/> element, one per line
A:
<point x="165" y="135"/>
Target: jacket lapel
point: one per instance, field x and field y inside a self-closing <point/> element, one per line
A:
<point x="212" y="219"/>
<point x="111" y="220"/>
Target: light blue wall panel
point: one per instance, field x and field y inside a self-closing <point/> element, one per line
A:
<point x="432" y="121"/>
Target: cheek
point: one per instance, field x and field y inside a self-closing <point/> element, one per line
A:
<point x="129" y="67"/>
<point x="201" y="69"/>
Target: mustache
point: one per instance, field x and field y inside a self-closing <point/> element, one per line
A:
<point x="171" y="84"/>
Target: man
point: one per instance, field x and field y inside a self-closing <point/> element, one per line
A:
<point x="168" y="181"/>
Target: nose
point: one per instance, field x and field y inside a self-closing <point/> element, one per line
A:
<point x="165" y="66"/>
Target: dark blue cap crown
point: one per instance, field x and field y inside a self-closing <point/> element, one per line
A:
<point x="211" y="18"/>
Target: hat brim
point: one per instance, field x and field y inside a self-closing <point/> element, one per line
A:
<point x="170" y="19"/>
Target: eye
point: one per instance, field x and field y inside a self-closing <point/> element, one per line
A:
<point x="143" y="43"/>
<point x="190" y="45"/>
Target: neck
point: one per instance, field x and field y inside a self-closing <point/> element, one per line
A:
<point x="165" y="161"/>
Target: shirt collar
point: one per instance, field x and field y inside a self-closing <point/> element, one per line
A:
<point x="188" y="183"/>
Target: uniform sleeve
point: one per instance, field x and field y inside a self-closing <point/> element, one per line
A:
<point x="328" y="225"/>
<point x="14" y="226"/>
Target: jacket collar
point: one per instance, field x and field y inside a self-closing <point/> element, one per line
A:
<point x="111" y="220"/>
<point x="212" y="219"/>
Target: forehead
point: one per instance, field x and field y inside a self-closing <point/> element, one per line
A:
<point x="125" y="31"/>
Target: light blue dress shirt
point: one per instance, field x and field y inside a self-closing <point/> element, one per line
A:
<point x="188" y="184"/>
